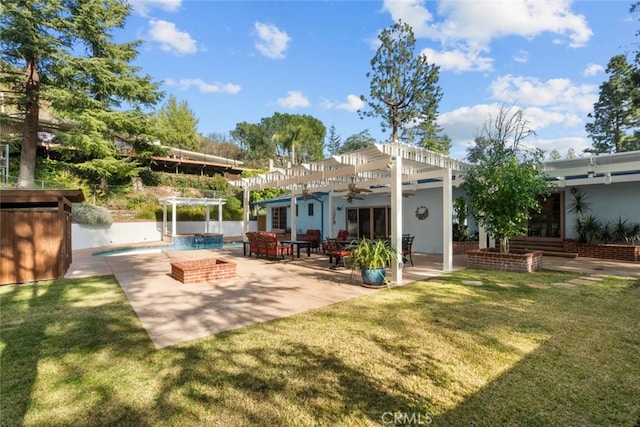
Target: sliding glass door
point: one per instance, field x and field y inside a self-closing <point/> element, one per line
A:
<point x="370" y="222"/>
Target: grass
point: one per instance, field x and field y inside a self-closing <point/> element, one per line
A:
<point x="73" y="352"/>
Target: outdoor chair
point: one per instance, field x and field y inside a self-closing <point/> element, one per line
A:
<point x="253" y="242"/>
<point x="336" y="251"/>
<point x="271" y="248"/>
<point x="313" y="236"/>
<point x="343" y="235"/>
<point x="407" y="243"/>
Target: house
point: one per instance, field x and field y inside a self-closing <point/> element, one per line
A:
<point x="365" y="191"/>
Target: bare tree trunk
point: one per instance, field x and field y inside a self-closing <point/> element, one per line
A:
<point x="504" y="245"/>
<point x="27" y="173"/>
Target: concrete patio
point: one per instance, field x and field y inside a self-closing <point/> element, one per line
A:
<point x="262" y="290"/>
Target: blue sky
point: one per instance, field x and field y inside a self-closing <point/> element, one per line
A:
<point x="241" y="61"/>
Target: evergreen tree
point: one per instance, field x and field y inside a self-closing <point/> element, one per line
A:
<point x="357" y="141"/>
<point x="334" y="141"/>
<point x="61" y="53"/>
<point x="615" y="116"/>
<point x="403" y="86"/>
<point x="176" y="125"/>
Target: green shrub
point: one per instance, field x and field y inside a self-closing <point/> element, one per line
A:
<point x="84" y="213"/>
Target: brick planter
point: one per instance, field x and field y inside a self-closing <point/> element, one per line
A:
<point x="202" y="270"/>
<point x="604" y="251"/>
<point x="460" y="248"/>
<point x="513" y="261"/>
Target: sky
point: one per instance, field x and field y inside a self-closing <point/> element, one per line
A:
<point x="241" y="61"/>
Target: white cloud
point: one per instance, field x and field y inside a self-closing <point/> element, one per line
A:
<point x="204" y="87"/>
<point x="272" y="42"/>
<point x="458" y="60"/>
<point x="142" y="7"/>
<point x="466" y="28"/>
<point x="170" y="38"/>
<point x="553" y="93"/>
<point x="521" y="56"/>
<point x="294" y="99"/>
<point x="354" y="103"/>
<point x="593" y="69"/>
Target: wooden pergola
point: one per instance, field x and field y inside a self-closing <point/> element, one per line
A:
<point x="382" y="168"/>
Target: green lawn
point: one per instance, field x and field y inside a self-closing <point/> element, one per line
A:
<point x="73" y="352"/>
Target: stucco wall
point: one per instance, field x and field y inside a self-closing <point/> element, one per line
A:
<point x="93" y="236"/>
<point x="607" y="203"/>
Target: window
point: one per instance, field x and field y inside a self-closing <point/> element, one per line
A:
<point x="279" y="218"/>
<point x="370" y="222"/>
<point x="310" y="209"/>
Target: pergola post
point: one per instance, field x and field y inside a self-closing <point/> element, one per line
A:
<point x="245" y="211"/>
<point x="219" y="216"/>
<point x="207" y="216"/>
<point x="164" y="220"/>
<point x="447" y="238"/>
<point x="294" y="234"/>
<point x="396" y="217"/>
<point x="174" y="217"/>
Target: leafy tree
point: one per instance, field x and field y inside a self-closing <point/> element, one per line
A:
<point x="357" y="141"/>
<point x="571" y="154"/>
<point x="438" y="143"/>
<point x="176" y="125"/>
<point x="403" y="86"/>
<point x="505" y="185"/>
<point x="555" y="155"/>
<point x="221" y="145"/>
<point x="334" y="141"/>
<point x="615" y="117"/>
<point x="283" y="137"/>
<point x="60" y="54"/>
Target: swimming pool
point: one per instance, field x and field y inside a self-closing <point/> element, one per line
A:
<point x="139" y="250"/>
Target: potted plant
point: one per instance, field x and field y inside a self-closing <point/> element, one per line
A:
<point x="372" y="257"/>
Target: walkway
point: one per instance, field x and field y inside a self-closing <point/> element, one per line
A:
<point x="172" y="312"/>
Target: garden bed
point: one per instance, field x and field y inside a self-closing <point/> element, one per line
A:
<point x="491" y="259"/>
<point x="604" y="251"/>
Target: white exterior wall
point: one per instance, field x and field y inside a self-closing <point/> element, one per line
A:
<point x="93" y="236"/>
<point x="606" y="203"/>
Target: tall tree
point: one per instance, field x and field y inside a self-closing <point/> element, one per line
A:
<point x="285" y="137"/>
<point x="60" y="53"/>
<point x="616" y="118"/>
<point x="333" y="141"/>
<point x="357" y="141"/>
<point x="176" y="125"/>
<point x="403" y="86"/>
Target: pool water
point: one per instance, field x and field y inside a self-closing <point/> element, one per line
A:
<point x="139" y="250"/>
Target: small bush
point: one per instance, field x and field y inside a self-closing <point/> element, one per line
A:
<point x="84" y="213"/>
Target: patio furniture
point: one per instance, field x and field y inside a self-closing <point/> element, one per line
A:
<point x="270" y="247"/>
<point x="298" y="244"/>
<point x="343" y="235"/>
<point x="313" y="236"/>
<point x="335" y="250"/>
<point x="407" y="243"/>
<point x="252" y="242"/>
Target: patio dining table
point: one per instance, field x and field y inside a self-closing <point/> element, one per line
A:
<point x="297" y="244"/>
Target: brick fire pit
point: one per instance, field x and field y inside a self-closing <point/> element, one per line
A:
<point x="202" y="270"/>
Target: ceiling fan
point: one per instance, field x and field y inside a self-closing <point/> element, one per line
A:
<point x="353" y="190"/>
<point x="306" y="194"/>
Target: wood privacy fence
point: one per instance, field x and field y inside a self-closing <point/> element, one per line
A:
<point x="35" y="234"/>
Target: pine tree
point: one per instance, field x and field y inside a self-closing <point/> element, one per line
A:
<point x="403" y="87"/>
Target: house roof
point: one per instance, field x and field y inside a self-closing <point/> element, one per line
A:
<point x="596" y="169"/>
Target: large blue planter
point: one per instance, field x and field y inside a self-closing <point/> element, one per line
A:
<point x="373" y="277"/>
